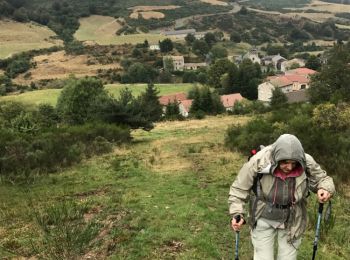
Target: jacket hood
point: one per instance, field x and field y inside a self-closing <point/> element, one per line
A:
<point x="287" y="147"/>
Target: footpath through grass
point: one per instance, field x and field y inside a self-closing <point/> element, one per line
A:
<point x="162" y="197"/>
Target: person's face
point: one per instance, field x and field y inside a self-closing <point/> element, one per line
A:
<point x="287" y="166"/>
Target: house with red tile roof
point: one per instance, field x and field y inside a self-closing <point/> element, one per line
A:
<point x="165" y="100"/>
<point x="292" y="81"/>
<point x="185" y="106"/>
<point x="229" y="100"/>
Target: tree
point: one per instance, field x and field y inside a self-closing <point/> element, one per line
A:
<point x="206" y="101"/>
<point x="82" y="100"/>
<point x="278" y="99"/>
<point x="249" y="77"/>
<point x="235" y="37"/>
<point x="219" y="52"/>
<point x="210" y="38"/>
<point x="166" y="45"/>
<point x="189" y="77"/>
<point x="219" y="68"/>
<point x="313" y="62"/>
<point x="190" y="38"/>
<point x="172" y="111"/>
<point x="168" y="64"/>
<point x="140" y="73"/>
<point x="200" y="47"/>
<point x="332" y="82"/>
<point x="149" y="103"/>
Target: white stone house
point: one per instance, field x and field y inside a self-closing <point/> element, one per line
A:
<point x="154" y="47"/>
<point x="250" y="55"/>
<point x="274" y="60"/>
<point x="178" y="62"/>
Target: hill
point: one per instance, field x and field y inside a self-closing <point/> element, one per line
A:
<point x="102" y="30"/>
<point x="18" y="37"/>
<point x="163" y="196"/>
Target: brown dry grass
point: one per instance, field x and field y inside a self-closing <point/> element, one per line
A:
<point x="327" y="7"/>
<point x="18" y="37"/>
<point x="145" y="8"/>
<point x="147" y="15"/>
<point x="59" y="65"/>
<point x="214" y="2"/>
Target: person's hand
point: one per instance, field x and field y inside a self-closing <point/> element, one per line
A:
<point x="237" y="222"/>
<point x="323" y="195"/>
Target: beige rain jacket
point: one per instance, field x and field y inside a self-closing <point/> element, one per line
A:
<point x="287" y="147"/>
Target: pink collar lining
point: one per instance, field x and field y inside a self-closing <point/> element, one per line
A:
<point x="294" y="173"/>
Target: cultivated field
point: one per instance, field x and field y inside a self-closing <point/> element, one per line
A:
<point x="18" y="37"/>
<point x="329" y="10"/>
<point x="50" y="95"/>
<point x="147" y="15"/>
<point x="214" y="2"/>
<point x="59" y="65"/>
<point x="102" y="30"/>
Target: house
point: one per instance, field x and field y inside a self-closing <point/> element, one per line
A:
<point x="178" y="62"/>
<point x="180" y="65"/>
<point x="194" y="66"/>
<point x="165" y="100"/>
<point x="288" y="64"/>
<point x="250" y="55"/>
<point x="154" y="47"/>
<point x="292" y="81"/>
<point x="301" y="71"/>
<point x="229" y="100"/>
<point x="274" y="60"/>
<point x="185" y="106"/>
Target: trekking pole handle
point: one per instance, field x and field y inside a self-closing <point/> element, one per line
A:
<point x="238" y="219"/>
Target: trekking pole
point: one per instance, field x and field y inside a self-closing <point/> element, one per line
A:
<point x="237" y="245"/>
<point x="320" y="209"/>
<point x="238" y="219"/>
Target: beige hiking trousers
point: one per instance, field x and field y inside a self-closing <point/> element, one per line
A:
<point x="263" y="239"/>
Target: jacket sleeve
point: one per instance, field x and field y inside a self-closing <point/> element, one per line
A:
<point x="240" y="188"/>
<point x="318" y="178"/>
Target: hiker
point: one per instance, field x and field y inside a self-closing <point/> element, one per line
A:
<point x="283" y="175"/>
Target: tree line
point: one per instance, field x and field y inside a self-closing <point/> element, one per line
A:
<point x="85" y="121"/>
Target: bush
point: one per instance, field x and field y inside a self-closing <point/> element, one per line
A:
<point x="315" y="128"/>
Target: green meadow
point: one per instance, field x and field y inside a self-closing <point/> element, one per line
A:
<point x="163" y="196"/>
<point x="50" y="96"/>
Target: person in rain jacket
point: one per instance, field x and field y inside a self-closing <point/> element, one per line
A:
<point x="277" y="180"/>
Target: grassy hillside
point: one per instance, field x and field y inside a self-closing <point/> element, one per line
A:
<point x="162" y="197"/>
<point x="50" y="95"/>
<point x="102" y="30"/>
<point x="18" y="37"/>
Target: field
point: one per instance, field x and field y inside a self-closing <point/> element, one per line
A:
<point x="59" y="65"/>
<point x="102" y="29"/>
<point x="50" y="95"/>
<point x="18" y="37"/>
<point x="323" y="11"/>
<point x="214" y="2"/>
<point x="164" y="196"/>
